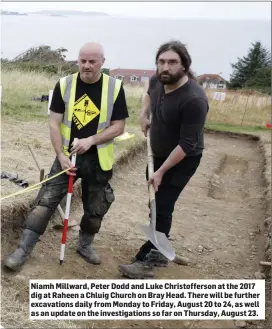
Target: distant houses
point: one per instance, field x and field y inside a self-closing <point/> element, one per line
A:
<point x="139" y="77"/>
<point x="132" y="76"/>
<point x="136" y="77"/>
<point x="212" y="81"/>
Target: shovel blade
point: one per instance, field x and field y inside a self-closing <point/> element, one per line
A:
<point x="160" y="241"/>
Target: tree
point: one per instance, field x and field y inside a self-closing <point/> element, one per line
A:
<point x="42" y="55"/>
<point x="43" y="59"/>
<point x="261" y="81"/>
<point x="246" y="68"/>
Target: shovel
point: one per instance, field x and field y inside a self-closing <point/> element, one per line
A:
<point x="158" y="239"/>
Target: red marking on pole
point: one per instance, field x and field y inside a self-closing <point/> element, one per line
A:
<point x="269" y="125"/>
<point x="67" y="210"/>
<point x="65" y="224"/>
<point x="70" y="184"/>
<point x="64" y="233"/>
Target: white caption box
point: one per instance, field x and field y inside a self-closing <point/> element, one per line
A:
<point x="147" y="299"/>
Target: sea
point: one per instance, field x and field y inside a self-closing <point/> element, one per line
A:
<point x="131" y="42"/>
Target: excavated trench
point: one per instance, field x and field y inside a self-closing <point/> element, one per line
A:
<point x="218" y="224"/>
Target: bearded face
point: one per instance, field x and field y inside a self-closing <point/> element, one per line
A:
<point x="169" y="68"/>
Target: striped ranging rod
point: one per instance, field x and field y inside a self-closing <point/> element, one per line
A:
<point x="67" y="212"/>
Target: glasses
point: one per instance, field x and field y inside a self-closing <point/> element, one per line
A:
<point x="171" y="62"/>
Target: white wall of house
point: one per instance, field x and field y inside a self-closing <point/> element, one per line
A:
<point x="212" y="85"/>
<point x="133" y="78"/>
<point x="120" y="77"/>
<point x="143" y="78"/>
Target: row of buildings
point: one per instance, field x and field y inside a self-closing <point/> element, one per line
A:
<point x="131" y="76"/>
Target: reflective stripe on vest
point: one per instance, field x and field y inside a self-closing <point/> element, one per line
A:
<point x="66" y="90"/>
<point x="110" y="91"/>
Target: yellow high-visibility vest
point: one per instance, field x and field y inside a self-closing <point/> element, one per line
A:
<point x="110" y="91"/>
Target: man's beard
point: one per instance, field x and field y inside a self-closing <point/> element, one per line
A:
<point x="167" y="78"/>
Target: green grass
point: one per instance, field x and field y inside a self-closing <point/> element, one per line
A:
<point x="20" y="87"/>
<point x="217" y="126"/>
<point x="24" y="110"/>
<point x="18" y="90"/>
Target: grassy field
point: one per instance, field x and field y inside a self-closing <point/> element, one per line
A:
<point x="20" y="87"/>
<point x="18" y="90"/>
<point x="25" y="122"/>
<point x="251" y="112"/>
<point x="243" y="109"/>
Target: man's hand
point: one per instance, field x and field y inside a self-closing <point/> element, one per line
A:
<point x="156" y="180"/>
<point x="82" y="145"/>
<point x="66" y="163"/>
<point x="145" y="124"/>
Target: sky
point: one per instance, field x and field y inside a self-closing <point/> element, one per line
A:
<point x="204" y="10"/>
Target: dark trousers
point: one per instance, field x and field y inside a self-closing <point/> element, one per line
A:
<point x="97" y="195"/>
<point x="168" y="192"/>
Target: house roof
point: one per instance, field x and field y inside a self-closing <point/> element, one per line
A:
<point x="210" y="77"/>
<point x="131" y="72"/>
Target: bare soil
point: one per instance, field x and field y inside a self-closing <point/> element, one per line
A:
<point x="217" y="224"/>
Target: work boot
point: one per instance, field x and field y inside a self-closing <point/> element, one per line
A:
<point x="85" y="249"/>
<point x="137" y="270"/>
<point x="155" y="258"/>
<point x="27" y="243"/>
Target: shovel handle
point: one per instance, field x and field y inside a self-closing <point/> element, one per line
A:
<point x="34" y="157"/>
<point x="150" y="166"/>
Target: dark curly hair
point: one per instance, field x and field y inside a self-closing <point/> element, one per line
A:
<point x="182" y="51"/>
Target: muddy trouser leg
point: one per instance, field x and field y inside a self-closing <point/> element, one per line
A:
<point x="50" y="195"/>
<point x="146" y="259"/>
<point x="46" y="202"/>
<point x="97" y="198"/>
<point x="166" y="198"/>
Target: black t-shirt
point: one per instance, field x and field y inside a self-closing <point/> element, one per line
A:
<point x="178" y="118"/>
<point x="87" y="108"/>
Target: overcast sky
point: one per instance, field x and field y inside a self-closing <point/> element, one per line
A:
<point x="205" y="10"/>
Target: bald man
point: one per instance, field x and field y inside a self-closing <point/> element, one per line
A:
<point x="91" y="107"/>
